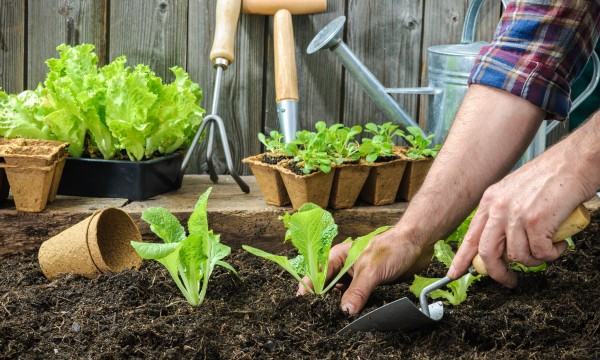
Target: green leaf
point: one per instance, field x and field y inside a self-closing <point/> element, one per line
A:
<point x="282" y="261"/>
<point x="457" y="289"/>
<point x="443" y="252"/>
<point x="198" y="223"/>
<point x="191" y="256"/>
<point x="154" y="251"/>
<point x="164" y="224"/>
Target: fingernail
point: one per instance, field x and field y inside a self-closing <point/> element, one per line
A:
<point x="349" y="308"/>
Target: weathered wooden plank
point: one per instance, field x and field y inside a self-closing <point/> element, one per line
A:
<point x="386" y="36"/>
<point x="150" y="32"/>
<point x="12" y="45"/>
<point x="239" y="218"/>
<point x="319" y="75"/>
<point x="54" y="22"/>
<point x="241" y="92"/>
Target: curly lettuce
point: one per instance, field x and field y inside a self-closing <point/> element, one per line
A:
<point x="114" y="109"/>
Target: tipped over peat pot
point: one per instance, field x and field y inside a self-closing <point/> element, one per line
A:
<point x="98" y="244"/>
<point x="133" y="180"/>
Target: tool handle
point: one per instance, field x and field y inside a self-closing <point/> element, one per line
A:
<point x="574" y="223"/>
<point x="286" y="81"/>
<point x="228" y="13"/>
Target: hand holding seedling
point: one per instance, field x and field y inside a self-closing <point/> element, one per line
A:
<point x="387" y="258"/>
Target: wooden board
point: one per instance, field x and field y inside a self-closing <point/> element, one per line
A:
<point x="239" y="218"/>
<point x="12" y="46"/>
<point x="150" y="32"/>
<point x="241" y="91"/>
<point x="54" y="22"/>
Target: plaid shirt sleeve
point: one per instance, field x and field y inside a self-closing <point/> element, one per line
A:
<point x="539" y="49"/>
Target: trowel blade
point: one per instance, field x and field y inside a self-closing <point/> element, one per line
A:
<point x="400" y="315"/>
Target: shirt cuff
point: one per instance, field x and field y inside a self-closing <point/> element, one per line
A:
<point x="520" y="75"/>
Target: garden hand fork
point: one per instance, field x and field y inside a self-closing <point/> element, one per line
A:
<point x="222" y="56"/>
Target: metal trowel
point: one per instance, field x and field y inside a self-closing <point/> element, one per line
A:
<point x="403" y="315"/>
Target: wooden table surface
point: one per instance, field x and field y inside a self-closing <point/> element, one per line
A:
<point x="240" y="218"/>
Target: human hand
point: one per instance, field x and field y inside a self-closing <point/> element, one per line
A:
<point x="390" y="256"/>
<point x="517" y="218"/>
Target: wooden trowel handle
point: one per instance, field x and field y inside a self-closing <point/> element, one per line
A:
<point x="228" y="13"/>
<point x="574" y="223"/>
<point x="286" y="81"/>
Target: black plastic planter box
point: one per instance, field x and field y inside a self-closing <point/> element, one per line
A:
<point x="133" y="180"/>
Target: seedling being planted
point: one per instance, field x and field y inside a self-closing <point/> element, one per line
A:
<point x="189" y="259"/>
<point x="311" y="231"/>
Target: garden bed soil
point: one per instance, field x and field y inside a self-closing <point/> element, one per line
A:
<point x="142" y="315"/>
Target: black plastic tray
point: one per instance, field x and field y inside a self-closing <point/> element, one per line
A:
<point x="133" y="180"/>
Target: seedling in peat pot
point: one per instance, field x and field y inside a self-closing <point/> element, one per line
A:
<point x="190" y="259"/>
<point x="419" y="148"/>
<point x="382" y="143"/>
<point x="311" y="231"/>
<point x="341" y="143"/>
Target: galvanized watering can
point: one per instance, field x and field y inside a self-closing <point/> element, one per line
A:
<point x="448" y="69"/>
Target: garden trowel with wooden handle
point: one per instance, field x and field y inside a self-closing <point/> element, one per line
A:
<point x="403" y="315"/>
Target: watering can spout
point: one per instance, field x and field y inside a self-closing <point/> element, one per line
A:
<point x="330" y="37"/>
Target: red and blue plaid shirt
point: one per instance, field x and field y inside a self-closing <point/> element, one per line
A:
<point x="539" y="49"/>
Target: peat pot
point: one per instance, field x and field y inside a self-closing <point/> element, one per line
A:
<point x="269" y="180"/>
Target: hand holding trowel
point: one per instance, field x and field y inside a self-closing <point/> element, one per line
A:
<point x="402" y="314"/>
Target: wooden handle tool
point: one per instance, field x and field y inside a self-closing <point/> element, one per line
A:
<point x="286" y="81"/>
<point x="574" y="223"/>
<point x="228" y="13"/>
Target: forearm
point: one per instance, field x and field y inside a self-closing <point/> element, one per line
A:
<point x="576" y="159"/>
<point x="490" y="132"/>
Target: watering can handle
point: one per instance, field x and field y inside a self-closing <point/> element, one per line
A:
<point x="469" y="27"/>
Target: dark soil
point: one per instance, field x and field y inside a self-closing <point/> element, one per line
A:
<point x="273" y="159"/>
<point x="141" y="315"/>
<point x="386" y="158"/>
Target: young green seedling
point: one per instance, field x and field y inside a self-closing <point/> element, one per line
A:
<point x="381" y="144"/>
<point x="341" y="144"/>
<point x="274" y="143"/>
<point x="444" y="253"/>
<point x="190" y="259"/>
<point x="420" y="145"/>
<point x="311" y="231"/>
<point x="310" y="150"/>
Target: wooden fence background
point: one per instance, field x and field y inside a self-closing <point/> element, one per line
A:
<point x="390" y="36"/>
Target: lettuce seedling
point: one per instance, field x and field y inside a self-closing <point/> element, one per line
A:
<point x="341" y="144"/>
<point x="381" y="144"/>
<point x="419" y="148"/>
<point x="190" y="259"/>
<point x="273" y="143"/>
<point x="457" y="289"/>
<point x="310" y="150"/>
<point x="311" y="231"/>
